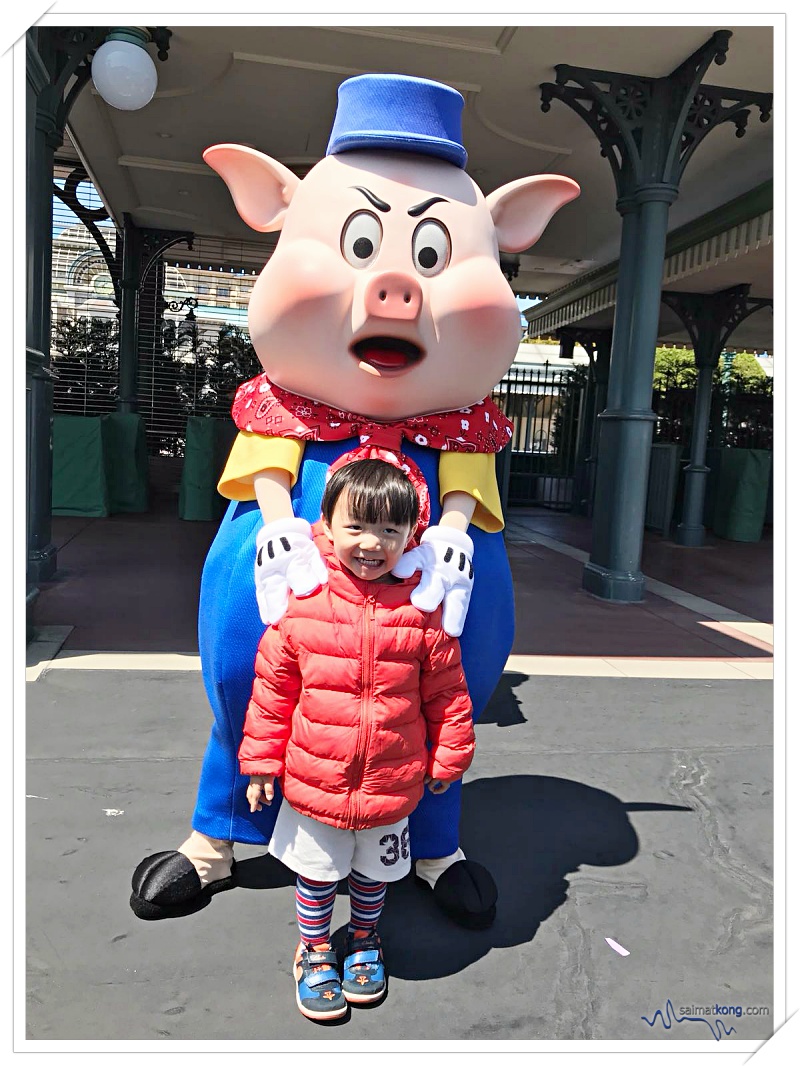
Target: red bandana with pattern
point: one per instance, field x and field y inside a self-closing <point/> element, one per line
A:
<point x="263" y="408"/>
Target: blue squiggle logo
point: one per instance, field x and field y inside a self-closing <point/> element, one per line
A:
<point x="671" y="1017"/>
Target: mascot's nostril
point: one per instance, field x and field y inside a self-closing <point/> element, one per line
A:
<point x="382" y="294"/>
<point x="407" y="298"/>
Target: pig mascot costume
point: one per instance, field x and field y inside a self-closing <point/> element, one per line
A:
<point x="382" y="322"/>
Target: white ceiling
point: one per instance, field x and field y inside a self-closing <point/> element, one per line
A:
<point x="275" y="88"/>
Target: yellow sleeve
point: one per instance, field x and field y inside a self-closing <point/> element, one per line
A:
<point x="252" y="453"/>
<point x="473" y="473"/>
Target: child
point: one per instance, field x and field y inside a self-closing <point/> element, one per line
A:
<point x="350" y="684"/>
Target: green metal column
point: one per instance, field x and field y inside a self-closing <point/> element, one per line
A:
<point x="58" y="66"/>
<point x="626" y="425"/>
<point x="710" y="320"/>
<point x="42" y="139"/>
<point x="612" y="436"/>
<point x="55" y="58"/>
<point x="626" y="290"/>
<point x="610" y="388"/>
<point x="602" y="364"/>
<point x="691" y="531"/>
<point x="128" y="400"/>
<point x="582" y="496"/>
<point x="648" y="129"/>
<point x="602" y="367"/>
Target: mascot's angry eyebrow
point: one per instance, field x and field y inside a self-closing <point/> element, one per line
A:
<point x="373" y="199"/>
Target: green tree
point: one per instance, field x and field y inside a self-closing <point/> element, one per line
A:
<point x="85" y="359"/>
<point x="741" y="405"/>
<point x="674" y="368"/>
<point x="745" y="374"/>
<point x="195" y="371"/>
<point x="741" y="409"/>
<point x="228" y="359"/>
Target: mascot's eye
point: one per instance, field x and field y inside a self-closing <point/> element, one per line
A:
<point x="430" y="248"/>
<point x="361" y="238"/>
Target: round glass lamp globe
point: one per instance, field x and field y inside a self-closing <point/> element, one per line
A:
<point x="124" y="75"/>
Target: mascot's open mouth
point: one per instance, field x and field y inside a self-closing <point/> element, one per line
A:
<point x="387" y="354"/>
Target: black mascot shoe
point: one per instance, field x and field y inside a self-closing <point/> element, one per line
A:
<point x="166" y="885"/>
<point x="466" y="892"/>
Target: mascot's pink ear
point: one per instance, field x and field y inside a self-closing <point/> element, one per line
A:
<point x="522" y="209"/>
<point x="262" y="188"/>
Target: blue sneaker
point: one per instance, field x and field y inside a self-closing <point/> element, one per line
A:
<point x="319" y="989"/>
<point x="363" y="973"/>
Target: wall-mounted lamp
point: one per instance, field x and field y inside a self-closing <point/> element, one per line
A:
<point x="122" y="70"/>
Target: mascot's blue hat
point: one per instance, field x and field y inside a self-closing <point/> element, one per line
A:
<point x="399" y="113"/>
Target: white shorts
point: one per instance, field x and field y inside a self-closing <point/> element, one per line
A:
<point x="324" y="853"/>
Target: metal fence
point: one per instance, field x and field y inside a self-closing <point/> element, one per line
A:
<point x="194" y="348"/>
<point x="546" y="405"/>
<point x="189" y="365"/>
<point x="740" y="417"/>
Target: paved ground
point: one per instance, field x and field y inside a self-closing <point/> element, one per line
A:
<point x="113" y="570"/>
<point x="622" y="789"/>
<point x="737" y="574"/>
<point x="639" y="810"/>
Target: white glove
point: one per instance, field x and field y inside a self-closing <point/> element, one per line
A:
<point x="444" y="556"/>
<point x="286" y="558"/>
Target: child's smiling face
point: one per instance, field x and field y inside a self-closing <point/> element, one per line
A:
<point x="369" y="550"/>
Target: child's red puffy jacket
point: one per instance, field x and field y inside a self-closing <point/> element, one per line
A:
<point x="349" y="685"/>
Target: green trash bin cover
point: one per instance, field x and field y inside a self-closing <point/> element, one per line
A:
<point x="208" y="444"/>
<point x="79" y="466"/>
<point x="126" y="462"/>
<point x="742" y="490"/>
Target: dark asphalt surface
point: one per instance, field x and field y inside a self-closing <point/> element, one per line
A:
<point x="639" y="810"/>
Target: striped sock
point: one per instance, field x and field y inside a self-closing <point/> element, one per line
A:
<point x="366" y="901"/>
<point x="315" y="901"/>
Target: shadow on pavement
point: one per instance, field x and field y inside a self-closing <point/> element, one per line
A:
<point x="504" y="708"/>
<point x="263" y="871"/>
<point x="530" y="832"/>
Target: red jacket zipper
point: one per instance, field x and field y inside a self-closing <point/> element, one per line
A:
<point x="357" y="766"/>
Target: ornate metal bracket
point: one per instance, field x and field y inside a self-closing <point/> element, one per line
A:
<point x="648" y="128"/>
<point x="70" y="51"/>
<point x="710" y="318"/>
<point x="178" y="305"/>
<point x="68" y="55"/>
<point x="89" y="216"/>
<point x="153" y="241"/>
<point x="156" y="241"/>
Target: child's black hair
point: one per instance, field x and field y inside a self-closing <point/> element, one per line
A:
<point x="376" y="492"/>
